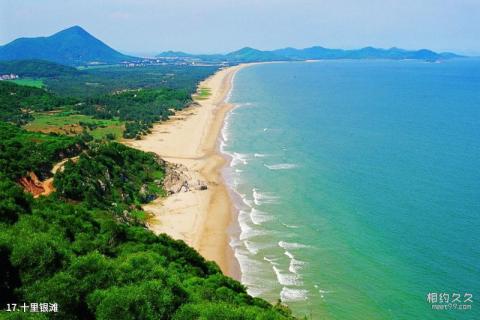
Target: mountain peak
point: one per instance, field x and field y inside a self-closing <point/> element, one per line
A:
<point x="73" y="31"/>
<point x="244" y="50"/>
<point x="75" y="28"/>
<point x="171" y="53"/>
<point x="71" y="46"/>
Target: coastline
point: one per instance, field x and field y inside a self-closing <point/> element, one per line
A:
<point x="201" y="218"/>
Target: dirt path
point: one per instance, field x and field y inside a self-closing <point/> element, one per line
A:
<point x="43" y="188"/>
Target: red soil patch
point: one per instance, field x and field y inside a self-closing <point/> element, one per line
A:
<point x="32" y="184"/>
<point x="37" y="188"/>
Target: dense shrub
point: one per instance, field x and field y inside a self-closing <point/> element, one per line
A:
<point x="111" y="174"/>
<point x="22" y="151"/>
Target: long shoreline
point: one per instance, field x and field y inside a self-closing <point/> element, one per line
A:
<point x="191" y="138"/>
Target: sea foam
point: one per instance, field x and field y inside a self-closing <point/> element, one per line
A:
<point x="260" y="198"/>
<point x="247" y="231"/>
<point x="239" y="158"/>
<point x="258" y="217"/>
<point x="255" y="285"/>
<point x="290" y="294"/>
<point x="281" y="166"/>
<point x="251" y="247"/>
<point x="287" y="279"/>
<point x="272" y="261"/>
<point x="260" y="155"/>
<point x="295" y="265"/>
<point x="291" y="245"/>
<point x="290" y="226"/>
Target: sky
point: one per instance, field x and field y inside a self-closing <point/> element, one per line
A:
<point x="219" y="26"/>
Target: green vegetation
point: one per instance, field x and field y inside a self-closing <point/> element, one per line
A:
<point x="22" y="151"/>
<point x="127" y="100"/>
<point x="140" y="108"/>
<point x="97" y="268"/>
<point x="28" y="82"/>
<point x="91" y="82"/>
<point x="18" y="102"/>
<point x="105" y="79"/>
<point x="69" y="122"/>
<point x="85" y="247"/>
<point x="36" y="68"/>
<point x="202" y="93"/>
<point x="112" y="174"/>
<point x="127" y="113"/>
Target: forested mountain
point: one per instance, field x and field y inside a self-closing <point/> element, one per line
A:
<point x="248" y="54"/>
<point x="364" y="53"/>
<point x="245" y="54"/>
<point x="72" y="46"/>
<point x="75" y="46"/>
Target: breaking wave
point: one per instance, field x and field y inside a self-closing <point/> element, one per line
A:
<point x="290" y="294"/>
<point x="260" y="198"/>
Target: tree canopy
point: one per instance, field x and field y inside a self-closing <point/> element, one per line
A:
<point x="75" y="249"/>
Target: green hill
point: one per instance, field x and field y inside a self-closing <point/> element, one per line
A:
<point x="245" y="54"/>
<point x="248" y="54"/>
<point x="18" y="102"/>
<point x="72" y="46"/>
<point x="36" y="68"/>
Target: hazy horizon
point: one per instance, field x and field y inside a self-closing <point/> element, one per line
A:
<point x="215" y="26"/>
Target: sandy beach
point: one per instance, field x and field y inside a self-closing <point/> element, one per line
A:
<point x="201" y="218"/>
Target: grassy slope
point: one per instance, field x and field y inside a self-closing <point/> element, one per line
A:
<point x="64" y="122"/>
<point x="37" y="83"/>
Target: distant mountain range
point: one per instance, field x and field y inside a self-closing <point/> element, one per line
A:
<point x="314" y="53"/>
<point x="243" y="55"/>
<point x="73" y="46"/>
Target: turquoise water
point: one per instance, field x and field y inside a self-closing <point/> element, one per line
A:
<point x="358" y="185"/>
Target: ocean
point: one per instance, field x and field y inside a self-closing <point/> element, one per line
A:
<point x="357" y="185"/>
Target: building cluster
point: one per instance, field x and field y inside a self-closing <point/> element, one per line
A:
<point x="10" y="76"/>
<point x="151" y="62"/>
<point x="169" y="61"/>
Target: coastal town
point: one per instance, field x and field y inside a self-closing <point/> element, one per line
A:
<point x="10" y="76"/>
